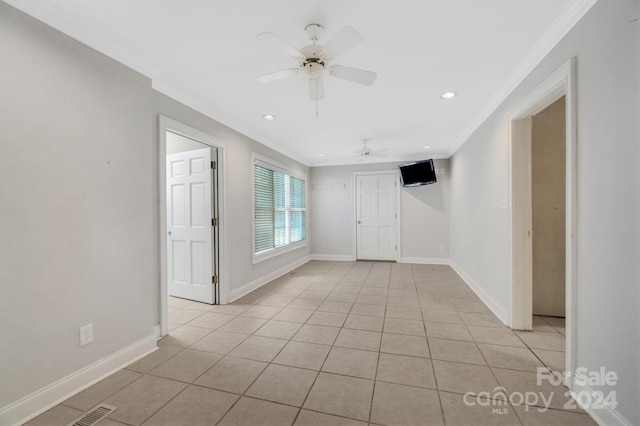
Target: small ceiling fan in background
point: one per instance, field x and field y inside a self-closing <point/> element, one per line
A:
<point x="313" y="59"/>
<point x="366" y="153"/>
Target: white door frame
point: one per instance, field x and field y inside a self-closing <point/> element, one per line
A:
<point x="561" y="83"/>
<point x="354" y="215"/>
<point x="168" y="124"/>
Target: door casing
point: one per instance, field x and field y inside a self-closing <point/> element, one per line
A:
<point x="167" y="124"/>
<point x="561" y="83"/>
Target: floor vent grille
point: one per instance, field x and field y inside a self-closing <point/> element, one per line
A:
<point x="94" y="416"/>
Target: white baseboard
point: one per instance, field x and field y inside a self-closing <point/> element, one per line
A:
<point x="249" y="287"/>
<point x="425" y="260"/>
<point x="40" y="401"/>
<point x="415" y="260"/>
<point x="605" y="416"/>
<point x="488" y="300"/>
<point x="333" y="257"/>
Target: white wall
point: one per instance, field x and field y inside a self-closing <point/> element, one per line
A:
<point x="79" y="210"/>
<point x="607" y="45"/>
<point x="76" y="197"/>
<point x="424" y="214"/>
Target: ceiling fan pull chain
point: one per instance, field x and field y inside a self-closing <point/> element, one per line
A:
<point x="316" y="98"/>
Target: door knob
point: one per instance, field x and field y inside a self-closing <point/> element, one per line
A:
<point x="169" y="233"/>
<point x="359" y="222"/>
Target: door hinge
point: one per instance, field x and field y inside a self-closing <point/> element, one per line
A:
<point x="214" y="279"/>
<point x="214" y="221"/>
<point x="213" y="165"/>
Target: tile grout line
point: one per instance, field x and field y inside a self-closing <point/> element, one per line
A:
<point x="466" y="325"/>
<point x="433" y="368"/>
<point x="375" y="374"/>
<point x="344" y="277"/>
<point x="260" y="375"/>
<point x="314" y="380"/>
<point x="318" y="374"/>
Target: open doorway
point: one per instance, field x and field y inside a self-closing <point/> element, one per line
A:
<point x="543" y="212"/>
<point x="192" y="205"/>
<point x="548" y="159"/>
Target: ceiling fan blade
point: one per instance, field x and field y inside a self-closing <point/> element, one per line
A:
<point x="268" y="78"/>
<point x="279" y="44"/>
<point x="343" y="41"/>
<point x="316" y="89"/>
<point x="353" y="74"/>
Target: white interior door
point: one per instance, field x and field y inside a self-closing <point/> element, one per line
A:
<point x="376" y="223"/>
<point x="190" y="213"/>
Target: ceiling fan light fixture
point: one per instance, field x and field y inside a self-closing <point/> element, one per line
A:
<point x="448" y="95"/>
<point x="269" y="117"/>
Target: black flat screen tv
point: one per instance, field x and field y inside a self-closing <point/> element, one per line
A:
<point x="417" y="173"/>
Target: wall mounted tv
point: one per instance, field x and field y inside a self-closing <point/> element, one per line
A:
<point x="417" y="173"/>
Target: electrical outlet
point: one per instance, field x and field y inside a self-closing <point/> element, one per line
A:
<point x="86" y="334"/>
<point x="443" y="248"/>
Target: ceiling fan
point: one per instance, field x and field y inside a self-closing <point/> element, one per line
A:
<point x="313" y="59"/>
<point x="365" y="152"/>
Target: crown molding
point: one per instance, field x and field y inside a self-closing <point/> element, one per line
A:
<point x="176" y="94"/>
<point x="379" y="160"/>
<point x="55" y="18"/>
<point x="559" y="28"/>
<point x="42" y="11"/>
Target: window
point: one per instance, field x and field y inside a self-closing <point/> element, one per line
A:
<point x="280" y="213"/>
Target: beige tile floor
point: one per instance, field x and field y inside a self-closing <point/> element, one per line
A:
<point x="338" y="343"/>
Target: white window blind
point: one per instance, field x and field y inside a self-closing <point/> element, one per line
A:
<point x="297" y="210"/>
<point x="280" y="213"/>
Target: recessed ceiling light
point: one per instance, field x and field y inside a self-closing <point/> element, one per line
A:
<point x="426" y="147"/>
<point x="448" y="95"/>
<point x="269" y="117"/>
<point x="321" y="155"/>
